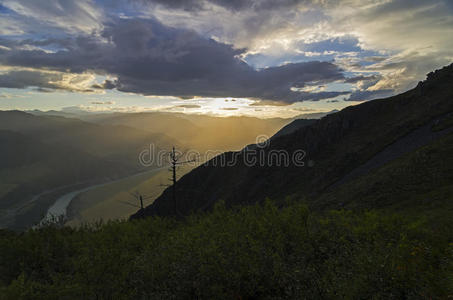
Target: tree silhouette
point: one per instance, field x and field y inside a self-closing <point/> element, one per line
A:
<point x="174" y="162"/>
<point x="139" y="197"/>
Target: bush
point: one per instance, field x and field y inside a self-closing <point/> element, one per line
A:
<point x="253" y="252"/>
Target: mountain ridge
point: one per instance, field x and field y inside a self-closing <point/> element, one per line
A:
<point x="334" y="145"/>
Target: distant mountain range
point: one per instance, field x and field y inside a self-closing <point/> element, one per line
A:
<point x="194" y="131"/>
<point x="46" y="154"/>
<point x="389" y="152"/>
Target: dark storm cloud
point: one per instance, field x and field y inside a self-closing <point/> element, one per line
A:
<point x="44" y="81"/>
<point x="24" y="79"/>
<point x="241" y="81"/>
<point x="150" y="58"/>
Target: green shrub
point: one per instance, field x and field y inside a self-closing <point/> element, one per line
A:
<point x="253" y="252"/>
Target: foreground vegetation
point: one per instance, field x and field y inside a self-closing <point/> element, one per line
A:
<point x="254" y="252"/>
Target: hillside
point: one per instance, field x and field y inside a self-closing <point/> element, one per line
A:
<point x="30" y="168"/>
<point x="45" y="156"/>
<point x="334" y="146"/>
<point x="293" y="126"/>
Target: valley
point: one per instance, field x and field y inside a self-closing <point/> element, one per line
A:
<point x="47" y="156"/>
<point x="215" y="149"/>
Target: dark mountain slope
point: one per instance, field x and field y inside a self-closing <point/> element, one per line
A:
<point x="334" y="146"/>
<point x="410" y="142"/>
<point x="293" y="126"/>
<point x="419" y="180"/>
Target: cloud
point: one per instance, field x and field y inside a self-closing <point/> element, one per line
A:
<point x="399" y="25"/>
<point x="103" y="102"/>
<point x="153" y="59"/>
<point x="304" y="109"/>
<point x="368" y="95"/>
<point x="70" y="16"/>
<point x="44" y="90"/>
<point x="189" y="106"/>
<point x="411" y="35"/>
<point x="363" y="31"/>
<point x="233" y="5"/>
<point x="7" y="96"/>
<point x="46" y="81"/>
<point x="403" y="71"/>
<point x="229" y="108"/>
<point x="361" y="78"/>
<point x="106" y="85"/>
<point x="375" y="59"/>
<point x="256" y="49"/>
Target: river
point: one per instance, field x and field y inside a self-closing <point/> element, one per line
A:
<point x="59" y="208"/>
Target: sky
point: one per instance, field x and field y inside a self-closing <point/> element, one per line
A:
<point x="264" y="58"/>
